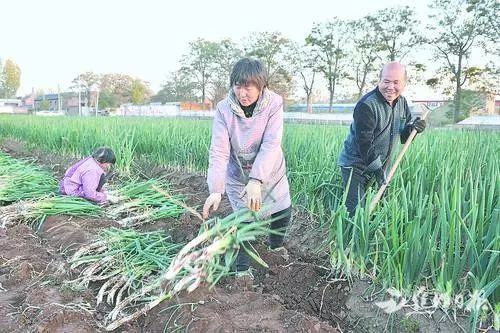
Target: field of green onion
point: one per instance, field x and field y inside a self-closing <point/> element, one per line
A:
<point x="436" y="232"/>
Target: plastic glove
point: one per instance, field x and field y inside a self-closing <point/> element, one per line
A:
<point x="254" y="195"/>
<point x="213" y="200"/>
<point x="380" y="176"/>
<point x="419" y="125"/>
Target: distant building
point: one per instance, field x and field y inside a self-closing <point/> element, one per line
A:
<point x="66" y="102"/>
<point x="195" y="106"/>
<point x="157" y="109"/>
<point x="12" y="105"/>
<point x="492" y="104"/>
<point x="488" y="104"/>
<point x="29" y="102"/>
<point x="52" y="102"/>
<point x="321" y="108"/>
<point x="431" y="103"/>
<point x="151" y="110"/>
<point x="346" y="108"/>
<point x="483" y="122"/>
<point x="10" y="102"/>
<point x="70" y="102"/>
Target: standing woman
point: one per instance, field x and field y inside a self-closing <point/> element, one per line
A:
<point x="246" y="160"/>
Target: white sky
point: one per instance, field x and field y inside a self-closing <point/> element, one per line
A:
<point x="54" y="40"/>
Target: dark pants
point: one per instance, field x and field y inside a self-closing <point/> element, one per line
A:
<point x="279" y="223"/>
<point x="357" y="187"/>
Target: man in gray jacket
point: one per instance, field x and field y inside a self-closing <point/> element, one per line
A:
<point x="380" y="117"/>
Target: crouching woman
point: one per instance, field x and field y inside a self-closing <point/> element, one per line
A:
<point x="87" y="177"/>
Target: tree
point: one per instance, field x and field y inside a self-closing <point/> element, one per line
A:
<point x="367" y="49"/>
<point x="116" y="89"/>
<point x="10" y="79"/>
<point x="2" y="80"/>
<point x="140" y="92"/>
<point x="107" y="100"/>
<point x="272" y="48"/>
<point x="226" y="55"/>
<point x="396" y="29"/>
<point x="178" y="88"/>
<point x="44" y="105"/>
<point x="459" y="27"/>
<point x="485" y="79"/>
<point x="306" y="65"/>
<point x="84" y="83"/>
<point x="332" y="43"/>
<point x="490" y="11"/>
<point x="200" y="63"/>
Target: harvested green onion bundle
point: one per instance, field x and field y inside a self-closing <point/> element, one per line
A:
<point x="20" y="180"/>
<point x="141" y="201"/>
<point x="35" y="211"/>
<point x="129" y="262"/>
<point x="210" y="256"/>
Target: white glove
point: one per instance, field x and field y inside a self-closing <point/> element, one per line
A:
<point x="112" y="199"/>
<point x="213" y="200"/>
<point x="254" y="195"/>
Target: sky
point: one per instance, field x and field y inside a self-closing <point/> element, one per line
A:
<point x="54" y="40"/>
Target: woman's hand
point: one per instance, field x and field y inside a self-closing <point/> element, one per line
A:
<point x="213" y="200"/>
<point x="254" y="195"/>
<point x="113" y="199"/>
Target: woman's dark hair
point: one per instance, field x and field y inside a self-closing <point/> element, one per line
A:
<point x="249" y="71"/>
<point x="104" y="155"/>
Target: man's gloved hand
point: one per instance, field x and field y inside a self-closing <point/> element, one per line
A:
<point x="419" y="125"/>
<point x="254" y="195"/>
<point x="213" y="200"/>
<point x="380" y="176"/>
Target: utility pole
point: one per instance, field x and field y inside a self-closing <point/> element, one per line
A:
<point x="95" y="88"/>
<point x="97" y="102"/>
<point x="79" y="96"/>
<point x="58" y="98"/>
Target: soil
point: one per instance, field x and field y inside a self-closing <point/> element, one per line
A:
<point x="295" y="294"/>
